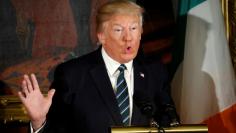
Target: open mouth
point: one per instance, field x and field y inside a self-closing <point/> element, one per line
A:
<point x="128" y="49"/>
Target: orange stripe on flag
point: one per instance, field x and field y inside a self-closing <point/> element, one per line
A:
<point x="223" y="122"/>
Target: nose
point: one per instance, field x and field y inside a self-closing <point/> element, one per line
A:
<point x="127" y="35"/>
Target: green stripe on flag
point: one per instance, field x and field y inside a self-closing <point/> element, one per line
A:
<point x="186" y="5"/>
<point x="178" y="46"/>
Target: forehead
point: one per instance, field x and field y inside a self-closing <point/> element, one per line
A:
<point x="123" y="20"/>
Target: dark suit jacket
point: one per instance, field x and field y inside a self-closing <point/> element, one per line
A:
<point x="85" y="101"/>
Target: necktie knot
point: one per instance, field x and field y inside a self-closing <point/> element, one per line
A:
<point x="122" y="67"/>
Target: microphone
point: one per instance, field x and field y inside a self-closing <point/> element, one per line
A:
<point x="147" y="109"/>
<point x="145" y="105"/>
<point x="170" y="111"/>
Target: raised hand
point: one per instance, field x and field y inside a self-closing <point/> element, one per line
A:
<point x="37" y="105"/>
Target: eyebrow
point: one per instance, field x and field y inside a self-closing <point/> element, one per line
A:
<point x="115" y="24"/>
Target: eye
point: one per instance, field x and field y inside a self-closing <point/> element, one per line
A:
<point x="133" y="28"/>
<point x="117" y="29"/>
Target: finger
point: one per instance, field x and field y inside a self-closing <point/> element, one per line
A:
<point x="24" y="87"/>
<point x="21" y="96"/>
<point x="51" y="94"/>
<point x="34" y="81"/>
<point x="28" y="83"/>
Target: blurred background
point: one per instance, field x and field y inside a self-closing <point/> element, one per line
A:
<point x="36" y="35"/>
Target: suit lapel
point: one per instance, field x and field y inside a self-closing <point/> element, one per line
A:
<point x="102" y="81"/>
<point x="140" y="79"/>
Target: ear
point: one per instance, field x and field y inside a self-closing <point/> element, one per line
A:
<point x="101" y="37"/>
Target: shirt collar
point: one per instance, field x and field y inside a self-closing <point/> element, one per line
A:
<point x="113" y="65"/>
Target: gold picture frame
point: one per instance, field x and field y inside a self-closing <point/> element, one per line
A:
<point x="229" y="12"/>
<point x="12" y="110"/>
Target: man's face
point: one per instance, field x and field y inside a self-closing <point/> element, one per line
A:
<point x="121" y="37"/>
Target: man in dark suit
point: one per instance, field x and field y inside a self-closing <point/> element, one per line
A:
<point x="112" y="86"/>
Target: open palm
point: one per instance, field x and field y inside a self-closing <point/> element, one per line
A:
<point x="36" y="104"/>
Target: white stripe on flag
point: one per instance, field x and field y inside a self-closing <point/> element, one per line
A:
<point x="206" y="84"/>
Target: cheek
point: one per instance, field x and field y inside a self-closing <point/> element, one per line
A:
<point x="137" y="41"/>
<point x="137" y="36"/>
<point x="114" y="41"/>
<point x="136" y="48"/>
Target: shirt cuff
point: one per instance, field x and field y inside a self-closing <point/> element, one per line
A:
<point x="32" y="130"/>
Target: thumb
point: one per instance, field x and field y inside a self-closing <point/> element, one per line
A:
<point x="51" y="93"/>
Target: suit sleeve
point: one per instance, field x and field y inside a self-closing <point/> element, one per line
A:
<point x="58" y="117"/>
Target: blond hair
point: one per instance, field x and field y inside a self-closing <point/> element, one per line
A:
<point x="114" y="7"/>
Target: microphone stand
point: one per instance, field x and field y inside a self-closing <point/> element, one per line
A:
<point x="154" y="124"/>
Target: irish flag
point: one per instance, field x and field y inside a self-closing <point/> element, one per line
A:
<point x="203" y="86"/>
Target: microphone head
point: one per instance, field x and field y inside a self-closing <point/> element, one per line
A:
<point x="147" y="109"/>
<point x="143" y="101"/>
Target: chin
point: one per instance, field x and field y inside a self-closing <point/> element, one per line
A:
<point x="127" y="59"/>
